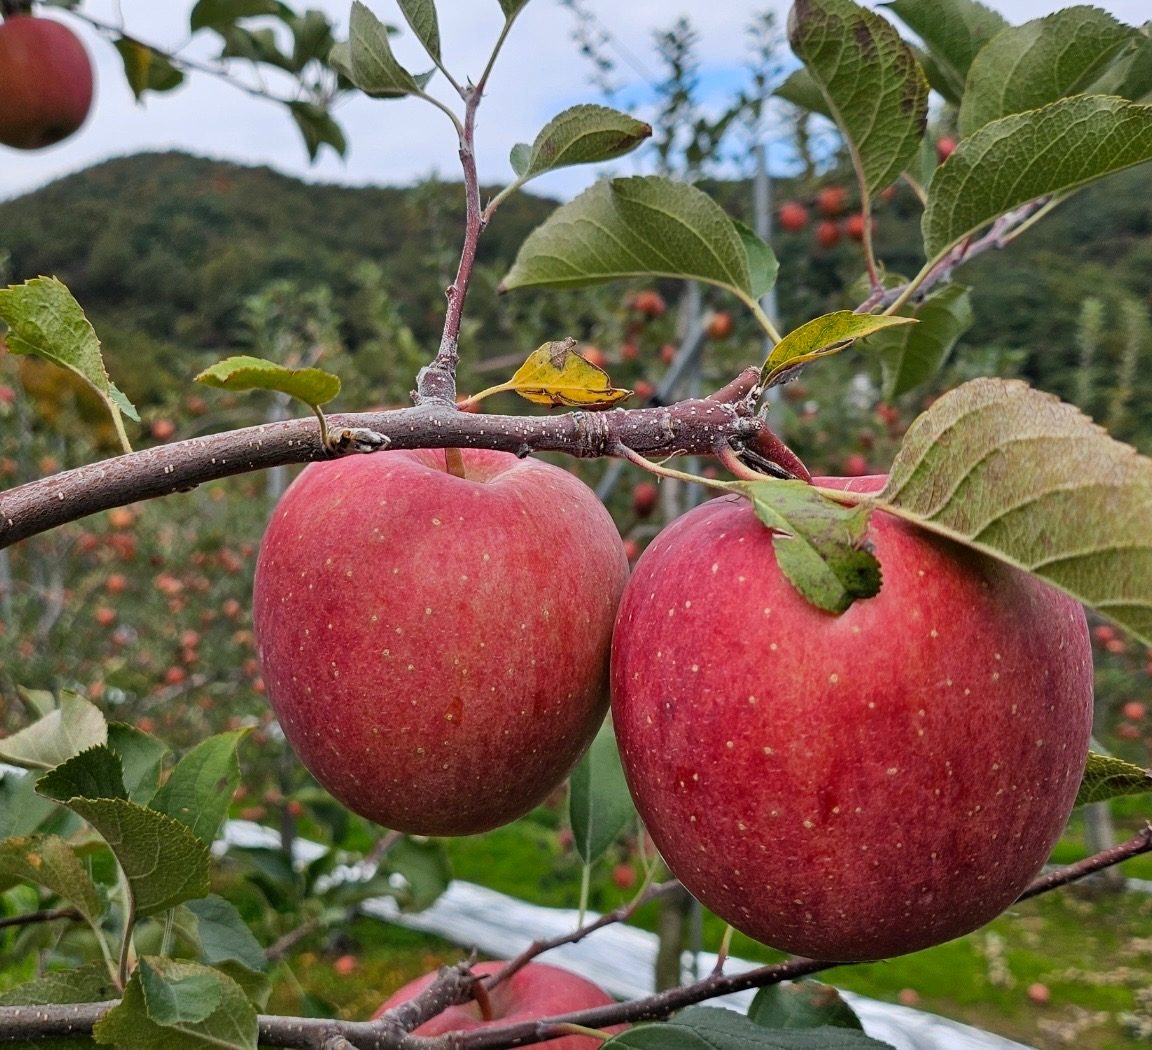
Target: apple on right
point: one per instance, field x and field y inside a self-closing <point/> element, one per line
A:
<point x="858" y="786"/>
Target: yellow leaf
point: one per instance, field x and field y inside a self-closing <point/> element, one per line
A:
<point x="556" y="375"/>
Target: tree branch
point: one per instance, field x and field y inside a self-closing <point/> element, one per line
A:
<point x="696" y="426"/>
<point x="1139" y="843"/>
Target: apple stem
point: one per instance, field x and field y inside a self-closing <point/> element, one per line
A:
<point x="454" y="462"/>
<point x="483" y="999"/>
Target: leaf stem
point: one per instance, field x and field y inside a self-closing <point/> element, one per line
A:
<point x="762" y="318"/>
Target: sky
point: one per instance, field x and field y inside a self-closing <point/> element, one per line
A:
<point x="398" y="142"/>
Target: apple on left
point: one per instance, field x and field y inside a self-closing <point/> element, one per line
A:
<point x="434" y="629"/>
<point x="45" y="82"/>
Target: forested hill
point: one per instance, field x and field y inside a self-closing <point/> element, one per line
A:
<point x="161" y="249"/>
<point x="165" y="246"/>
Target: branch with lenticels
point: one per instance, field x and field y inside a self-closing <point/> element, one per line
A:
<point x="699" y="426"/>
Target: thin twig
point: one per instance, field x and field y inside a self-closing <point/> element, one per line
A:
<point x="1139" y="843"/>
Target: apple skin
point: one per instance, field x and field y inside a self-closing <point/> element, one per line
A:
<point x="45" y="82"/>
<point x="537" y="990"/>
<point x="435" y="647"/>
<point x="858" y="786"/>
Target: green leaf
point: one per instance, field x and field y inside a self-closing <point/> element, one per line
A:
<point x="209" y="14"/>
<point x="199" y="789"/>
<point x="953" y="31"/>
<point x="146" y="69"/>
<point x="424" y="866"/>
<point x="711" y="1028"/>
<point x="800" y="88"/>
<point x="163" y="861"/>
<point x="762" y="263"/>
<point x="311" y="38"/>
<point x="599" y="803"/>
<point x="22" y="811"/>
<point x="223" y="934"/>
<point x="74" y="726"/>
<point x="1031" y="155"/>
<point x="141" y="758"/>
<point x="1032" y="481"/>
<point x="173" y="1005"/>
<point x="421" y="16"/>
<point x="511" y="8"/>
<point x="819" y="544"/>
<point x="585" y="134"/>
<point x="1028" y="66"/>
<point x="318" y="128"/>
<point x="802" y="1004"/>
<point x="876" y="91"/>
<point x="1106" y="777"/>
<point x="89" y="983"/>
<point x="1130" y="76"/>
<point x="633" y="227"/>
<point x="255" y="45"/>
<point x="48" y="861"/>
<point x="367" y="59"/>
<point x="913" y="355"/>
<point x="313" y="386"/>
<point x="45" y="320"/>
<point x="95" y="773"/>
<point x="821" y="337"/>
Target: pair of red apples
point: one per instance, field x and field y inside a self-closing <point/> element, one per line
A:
<point x="437" y="650"/>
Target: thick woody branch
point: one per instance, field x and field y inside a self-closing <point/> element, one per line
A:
<point x="697" y="427"/>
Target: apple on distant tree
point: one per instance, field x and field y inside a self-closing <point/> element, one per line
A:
<point x="536" y="990"/>
<point x="792" y="216"/>
<point x="594" y="356"/>
<point x="857" y="786"/>
<point x="720" y="325"/>
<point x="827" y="234"/>
<point x="45" y="82"/>
<point x="831" y="201"/>
<point x="436" y="646"/>
<point x="854" y="226"/>
<point x="645" y="497"/>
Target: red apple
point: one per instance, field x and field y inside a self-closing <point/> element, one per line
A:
<point x="650" y="303"/>
<point x="857" y="786"/>
<point x="535" y="991"/>
<point x="827" y="234"/>
<point x="945" y="147"/>
<point x="831" y="201"/>
<point x="854" y="226"/>
<point x="45" y="82"/>
<point x="792" y="216"/>
<point x="1135" y="711"/>
<point x="594" y="356"/>
<point x="719" y="325"/>
<point x="645" y="496"/>
<point x="435" y="647"/>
